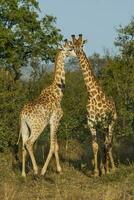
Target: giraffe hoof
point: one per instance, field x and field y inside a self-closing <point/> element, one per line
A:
<point x="113" y="169"/>
<point x="35" y="176"/>
<point x="107" y="172"/>
<point x="59" y="170"/>
<point x="42" y="173"/>
<point x="102" y="172"/>
<point x="23" y="175"/>
<point x="96" y="173"/>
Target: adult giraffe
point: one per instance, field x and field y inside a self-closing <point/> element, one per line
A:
<point x="100" y="109"/>
<point x="46" y="109"/>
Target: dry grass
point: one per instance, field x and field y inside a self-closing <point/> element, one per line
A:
<point x="72" y="184"/>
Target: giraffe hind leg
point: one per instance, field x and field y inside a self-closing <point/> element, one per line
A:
<point x="35" y="132"/>
<point x="54" y="123"/>
<point x="25" y="135"/>
<point x="29" y="145"/>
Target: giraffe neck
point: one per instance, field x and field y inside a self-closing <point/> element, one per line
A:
<point x="59" y="74"/>
<point x="89" y="77"/>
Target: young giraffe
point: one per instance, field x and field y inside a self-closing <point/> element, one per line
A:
<point x="46" y="109"/>
<point x="100" y="109"/>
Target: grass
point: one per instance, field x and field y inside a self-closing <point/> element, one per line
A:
<point x="72" y="184"/>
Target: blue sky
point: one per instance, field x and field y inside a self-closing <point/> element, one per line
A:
<point x="97" y="20"/>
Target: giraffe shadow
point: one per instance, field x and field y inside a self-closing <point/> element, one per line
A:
<point x="123" y="150"/>
<point x="77" y="154"/>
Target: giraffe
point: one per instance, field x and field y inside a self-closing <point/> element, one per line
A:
<point x="100" y="109"/>
<point x="44" y="110"/>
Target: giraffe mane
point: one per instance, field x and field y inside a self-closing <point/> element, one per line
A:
<point x="56" y="60"/>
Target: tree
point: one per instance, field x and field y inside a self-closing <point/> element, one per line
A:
<point x="125" y="39"/>
<point x="118" y="78"/>
<point x="97" y="62"/>
<point x="25" y="40"/>
<point x="24" y="37"/>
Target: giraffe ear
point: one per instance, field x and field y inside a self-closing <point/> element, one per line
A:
<point x="65" y="40"/>
<point x="84" y="41"/>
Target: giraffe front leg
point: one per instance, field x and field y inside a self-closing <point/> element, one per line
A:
<point x="95" y="152"/>
<point x="59" y="169"/>
<point x="95" y="148"/>
<point x="111" y="160"/>
<point x="109" y="156"/>
<point x="111" y="127"/>
<point x="108" y="150"/>
<point x="56" y="149"/>
<point x="106" y="157"/>
<point x="51" y="151"/>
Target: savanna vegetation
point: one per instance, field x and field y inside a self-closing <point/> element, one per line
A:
<point x="28" y="46"/>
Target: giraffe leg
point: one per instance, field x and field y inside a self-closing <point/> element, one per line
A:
<point x="111" y="160"/>
<point x="111" y="127"/>
<point x="51" y="151"/>
<point x="57" y="157"/>
<point x="24" y="153"/>
<point x="95" y="147"/>
<point x="108" y="149"/>
<point x="95" y="151"/>
<point x="56" y="150"/>
<point x="106" y="158"/>
<point x="54" y="123"/>
<point x="35" y="131"/>
<point x="29" y="146"/>
<point x="25" y="134"/>
<point x="102" y="167"/>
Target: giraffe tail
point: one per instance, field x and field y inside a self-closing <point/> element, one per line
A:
<point x="24" y="131"/>
<point x="20" y="132"/>
<point x="19" y="137"/>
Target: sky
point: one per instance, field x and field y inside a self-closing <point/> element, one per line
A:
<point x="97" y="20"/>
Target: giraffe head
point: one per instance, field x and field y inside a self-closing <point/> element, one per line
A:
<point x="68" y="49"/>
<point x="78" y="43"/>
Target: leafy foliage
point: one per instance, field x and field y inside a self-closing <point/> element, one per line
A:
<point x="24" y="38"/>
<point x="125" y="39"/>
<point x="74" y="107"/>
<point x="118" y="79"/>
<point x="27" y="40"/>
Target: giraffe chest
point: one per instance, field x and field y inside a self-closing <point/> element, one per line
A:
<point x="98" y="109"/>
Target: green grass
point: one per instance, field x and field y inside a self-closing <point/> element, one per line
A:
<point x="72" y="184"/>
